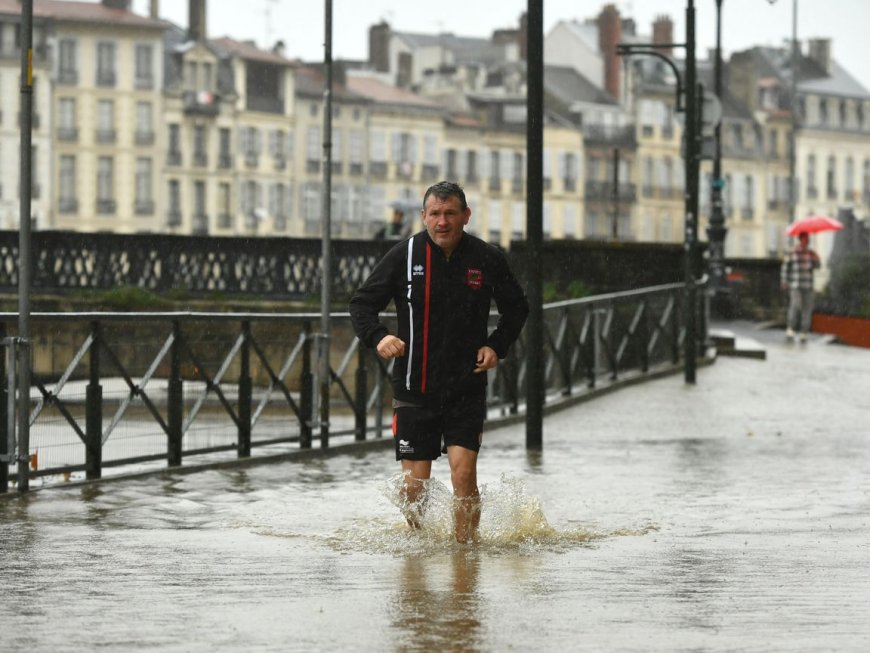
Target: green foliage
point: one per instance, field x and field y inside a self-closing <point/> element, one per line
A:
<point x="849" y="287"/>
<point x="129" y="298"/>
<point x="575" y="290"/>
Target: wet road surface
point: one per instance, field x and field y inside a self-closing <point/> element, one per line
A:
<point x="732" y="515"/>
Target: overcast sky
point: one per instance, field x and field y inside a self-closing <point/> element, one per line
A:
<point x="300" y="23"/>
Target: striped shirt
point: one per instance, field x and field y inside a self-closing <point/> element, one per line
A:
<point x="797" y="269"/>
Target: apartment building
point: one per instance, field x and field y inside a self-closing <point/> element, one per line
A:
<point x="42" y="215"/>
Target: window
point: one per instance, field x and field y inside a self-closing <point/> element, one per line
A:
<point x="144" y="181"/>
<point x="225" y="218"/>
<point x="494" y="170"/>
<point x="200" y="217"/>
<point x="174" y="145"/>
<point x="144" y="123"/>
<point x="105" y="185"/>
<point x="105" y="64"/>
<point x="823" y="112"/>
<point x="812" y="190"/>
<point x="569" y="222"/>
<point x="144" y="65"/>
<point x="68" y="72"/>
<point x="173" y="218"/>
<point x="224" y="156"/>
<point x="312" y="147"/>
<point x="67" y="196"/>
<point x="831" y="178"/>
<point x="66" y="129"/>
<point x="471" y="172"/>
<point x="518" y="220"/>
<point x="200" y="149"/>
<point x="105" y="121"/>
<point x="849" y="178"/>
<point x="569" y="171"/>
<point x="774" y="143"/>
<point x="355" y="152"/>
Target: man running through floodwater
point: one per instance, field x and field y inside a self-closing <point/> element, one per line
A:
<point x="442" y="281"/>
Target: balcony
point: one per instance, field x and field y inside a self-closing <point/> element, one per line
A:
<point x="337" y="167"/>
<point x="106" y="136"/>
<point x="517" y="185"/>
<point x="173" y="217"/>
<point x="280" y="163"/>
<point x="832" y="194"/>
<point x="265" y="104"/>
<point x="312" y="167"/>
<point x="429" y="171"/>
<point x="252" y="159"/>
<point x="68" y="76"/>
<point x="378" y="169"/>
<point x="405" y="170"/>
<point x="35" y="191"/>
<point x="173" y="158"/>
<point x="144" y="83"/>
<point x="224" y="220"/>
<point x="746" y="213"/>
<point x="494" y="185"/>
<point x="812" y="192"/>
<point x="201" y="103"/>
<point x="106" y="207"/>
<point x="106" y="78"/>
<point x="355" y="169"/>
<point x="200" y="224"/>
<point x="200" y="159"/>
<point x="68" y="205"/>
<point x="67" y="134"/>
<point x="144" y="138"/>
<point x="225" y="161"/>
<point x="548" y="183"/>
<point x="472" y="179"/>
<point x="144" y="207"/>
<point x="609" y="135"/>
<point x="774" y="204"/>
<point x="569" y="184"/>
<point x="603" y="191"/>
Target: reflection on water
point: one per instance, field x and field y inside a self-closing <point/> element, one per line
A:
<point x="660" y="518"/>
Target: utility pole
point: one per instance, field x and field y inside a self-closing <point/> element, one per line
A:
<point x="691" y="206"/>
<point x="325" y="371"/>
<point x="716" y="230"/>
<point x="534" y="225"/>
<point x="24" y="251"/>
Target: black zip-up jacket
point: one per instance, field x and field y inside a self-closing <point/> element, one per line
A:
<point x="442" y="307"/>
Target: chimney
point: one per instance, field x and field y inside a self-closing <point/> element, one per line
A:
<point x="663" y="32"/>
<point x="154" y="9"/>
<point x="117" y="4"/>
<point x="196" y="20"/>
<point x="379" y="47"/>
<point x="820" y="52"/>
<point x="609" y="34"/>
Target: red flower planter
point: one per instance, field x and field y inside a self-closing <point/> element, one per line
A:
<point x="853" y="331"/>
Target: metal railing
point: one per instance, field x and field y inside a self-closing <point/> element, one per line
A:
<point x="150" y="390"/>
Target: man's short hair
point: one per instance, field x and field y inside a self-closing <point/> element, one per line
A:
<point x="444" y="190"/>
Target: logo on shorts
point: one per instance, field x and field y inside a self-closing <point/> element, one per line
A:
<point x="474" y="278"/>
<point x="405" y="447"/>
<point x="419" y="271"/>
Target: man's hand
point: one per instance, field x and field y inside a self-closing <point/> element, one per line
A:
<point x="391" y="347"/>
<point x="486" y="359"/>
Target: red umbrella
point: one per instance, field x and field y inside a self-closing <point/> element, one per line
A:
<point x="813" y="224"/>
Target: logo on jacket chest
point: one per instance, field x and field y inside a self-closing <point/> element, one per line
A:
<point x="474" y="278"/>
<point x="418" y="270"/>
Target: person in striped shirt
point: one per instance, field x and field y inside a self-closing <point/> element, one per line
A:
<point x="797" y="278"/>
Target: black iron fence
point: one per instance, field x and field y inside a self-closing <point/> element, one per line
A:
<point x="160" y="389"/>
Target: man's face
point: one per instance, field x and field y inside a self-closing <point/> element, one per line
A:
<point x="445" y="220"/>
<point x="804" y="240"/>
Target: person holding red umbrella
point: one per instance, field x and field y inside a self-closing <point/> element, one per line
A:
<point x="797" y="278"/>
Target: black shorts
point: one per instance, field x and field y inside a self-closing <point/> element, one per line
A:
<point x="418" y="431"/>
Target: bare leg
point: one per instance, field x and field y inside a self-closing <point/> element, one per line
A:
<point x="413" y="486"/>
<point x="466" y="502"/>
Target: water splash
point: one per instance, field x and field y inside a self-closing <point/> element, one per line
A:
<point x="511" y="521"/>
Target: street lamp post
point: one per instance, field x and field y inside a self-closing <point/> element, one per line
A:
<point x="716" y="230"/>
<point x="693" y="157"/>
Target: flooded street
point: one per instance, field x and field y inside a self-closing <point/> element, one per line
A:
<point x="733" y="515"/>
